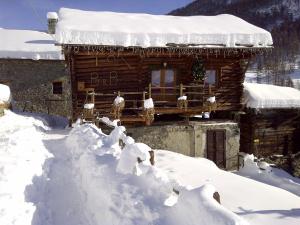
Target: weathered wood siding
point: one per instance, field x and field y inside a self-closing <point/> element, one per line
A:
<point x="109" y="73"/>
<point x="270" y="132"/>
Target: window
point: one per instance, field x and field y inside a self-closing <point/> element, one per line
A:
<point x="163" y="83"/>
<point x="57" y="87"/>
<point x="210" y="76"/>
<point x="163" y="78"/>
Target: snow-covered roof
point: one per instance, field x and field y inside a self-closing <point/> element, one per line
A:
<point x="261" y="96"/>
<point x="144" y="30"/>
<point x="28" y="44"/>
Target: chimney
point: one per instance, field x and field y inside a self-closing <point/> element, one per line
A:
<point x="52" y="18"/>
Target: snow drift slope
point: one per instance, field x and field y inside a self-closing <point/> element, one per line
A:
<point x="22" y="155"/>
<point x="90" y="181"/>
<point x="99" y="187"/>
<point x="254" y="201"/>
<point x="263" y="172"/>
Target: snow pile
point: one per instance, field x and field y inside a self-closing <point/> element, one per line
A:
<point x="254" y="201"/>
<point x="5" y="95"/>
<point x="22" y="154"/>
<point x="182" y="98"/>
<point x="118" y="100"/>
<point x="212" y="99"/>
<point x="89" y="106"/>
<point x="270" y="96"/>
<point x="108" y="122"/>
<point x="128" y="159"/>
<point x="144" y="30"/>
<point x="148" y="103"/>
<point x="93" y="179"/>
<point x="206" y="115"/>
<point x="28" y="44"/>
<point x="106" y="185"/>
<point x="263" y="172"/>
<point x="52" y="15"/>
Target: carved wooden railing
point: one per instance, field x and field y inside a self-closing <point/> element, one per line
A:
<point x="132" y="109"/>
<point x="196" y="97"/>
<point x="190" y="99"/>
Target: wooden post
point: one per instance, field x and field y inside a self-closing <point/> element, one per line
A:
<point x="209" y="90"/>
<point x="144" y="95"/>
<point x="150" y="91"/>
<point x="217" y="197"/>
<point x="181" y="90"/>
<point x="93" y="97"/>
<point x="152" y="161"/>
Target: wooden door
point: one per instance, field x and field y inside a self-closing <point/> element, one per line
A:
<point x="163" y="83"/>
<point x="216" y="146"/>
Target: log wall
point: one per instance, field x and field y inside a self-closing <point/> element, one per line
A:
<point x="108" y="73"/>
<point x="270" y="132"/>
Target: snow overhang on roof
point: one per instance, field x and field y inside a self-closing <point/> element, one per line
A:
<point x="28" y="44"/>
<point x="76" y="27"/>
<point x="265" y="96"/>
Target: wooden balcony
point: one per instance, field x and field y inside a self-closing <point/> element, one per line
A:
<point x="183" y="100"/>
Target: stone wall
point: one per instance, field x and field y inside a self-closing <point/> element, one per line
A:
<point x="31" y="85"/>
<point x="189" y="139"/>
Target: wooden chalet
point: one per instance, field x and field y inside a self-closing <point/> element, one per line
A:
<point x="271" y="123"/>
<point x="184" y="65"/>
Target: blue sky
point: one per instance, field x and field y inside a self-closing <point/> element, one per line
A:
<point x="31" y="14"/>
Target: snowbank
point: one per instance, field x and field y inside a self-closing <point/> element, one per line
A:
<point x="5" y="95"/>
<point x="144" y="30"/>
<point x="254" y="201"/>
<point x="92" y="179"/>
<point x="263" y="172"/>
<point x="270" y="96"/>
<point x="112" y="182"/>
<point x="22" y="155"/>
<point x="28" y="44"/>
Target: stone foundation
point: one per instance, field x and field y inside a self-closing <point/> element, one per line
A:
<point x="189" y="138"/>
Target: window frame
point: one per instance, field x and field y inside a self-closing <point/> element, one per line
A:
<point x="57" y="90"/>
<point x="162" y="73"/>
<point x="217" y="76"/>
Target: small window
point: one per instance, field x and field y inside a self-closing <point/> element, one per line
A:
<point x="210" y="77"/>
<point x="57" y="88"/>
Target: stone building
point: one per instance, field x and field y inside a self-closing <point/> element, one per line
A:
<point x="34" y="69"/>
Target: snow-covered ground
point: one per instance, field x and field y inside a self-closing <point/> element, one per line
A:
<point x="22" y="155"/>
<point x="87" y="179"/>
<point x="264" y="172"/>
<point x="256" y="202"/>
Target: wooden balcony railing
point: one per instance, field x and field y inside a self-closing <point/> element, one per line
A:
<point x="181" y="99"/>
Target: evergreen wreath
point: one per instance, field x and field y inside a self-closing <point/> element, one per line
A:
<point x="198" y="70"/>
